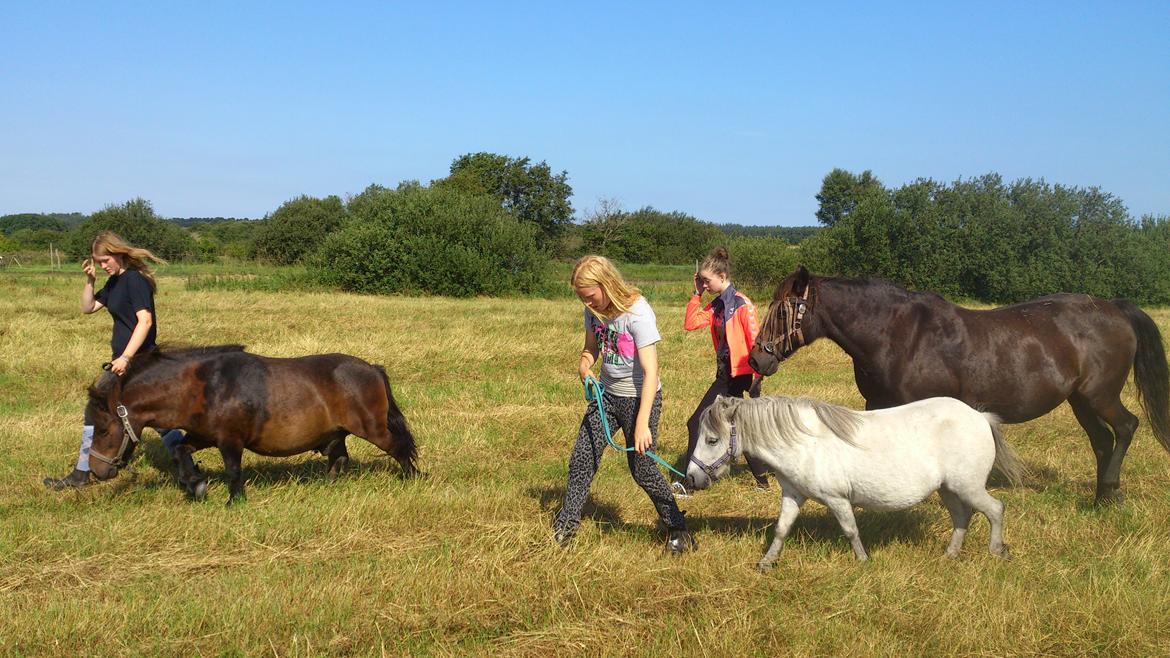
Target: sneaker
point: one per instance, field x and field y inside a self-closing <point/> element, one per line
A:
<point x="679" y="490"/>
<point x="563" y="536"/>
<point x="77" y="479"/>
<point x="681" y="542"/>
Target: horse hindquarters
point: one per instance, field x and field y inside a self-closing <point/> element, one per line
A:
<point x="399" y="440"/>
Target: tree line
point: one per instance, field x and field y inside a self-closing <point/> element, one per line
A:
<point x="494" y="223"/>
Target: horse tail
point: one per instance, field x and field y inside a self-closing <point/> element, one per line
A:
<point x="1149" y="371"/>
<point x="1006" y="459"/>
<point x="404" y="449"/>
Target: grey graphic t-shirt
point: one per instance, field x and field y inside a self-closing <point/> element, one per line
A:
<point x="618" y="342"/>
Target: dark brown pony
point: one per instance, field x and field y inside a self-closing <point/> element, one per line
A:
<point x="227" y="398"/>
<point x="1018" y="362"/>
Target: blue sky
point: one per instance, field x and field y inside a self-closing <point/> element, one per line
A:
<point x="731" y="112"/>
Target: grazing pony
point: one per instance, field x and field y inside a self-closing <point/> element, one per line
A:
<point x="1018" y="362"/>
<point x="884" y="460"/>
<point x="227" y="398"/>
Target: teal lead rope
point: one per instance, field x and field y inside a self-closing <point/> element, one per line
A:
<point x="593" y="393"/>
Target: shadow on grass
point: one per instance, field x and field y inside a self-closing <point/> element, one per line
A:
<point x="265" y="473"/>
<point x="877" y="528"/>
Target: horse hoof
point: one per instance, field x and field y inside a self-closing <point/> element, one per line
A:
<point x="1003" y="553"/>
<point x="764" y="567"/>
<point x="199" y="491"/>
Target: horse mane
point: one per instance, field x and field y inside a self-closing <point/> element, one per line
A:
<point x="778" y="418"/>
<point x="147" y="360"/>
<point x="888" y="289"/>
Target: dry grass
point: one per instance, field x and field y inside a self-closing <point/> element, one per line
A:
<point x="461" y="562"/>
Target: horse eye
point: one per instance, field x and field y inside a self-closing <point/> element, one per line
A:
<point x="712" y="440"/>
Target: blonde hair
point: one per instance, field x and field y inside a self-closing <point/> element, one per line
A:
<point x="134" y="258"/>
<point x="600" y="271"/>
<point x="718" y="262"/>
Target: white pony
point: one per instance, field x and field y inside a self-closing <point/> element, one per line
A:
<point x="888" y="459"/>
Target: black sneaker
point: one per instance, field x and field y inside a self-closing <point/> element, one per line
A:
<point x="681" y="542"/>
<point x="75" y="480"/>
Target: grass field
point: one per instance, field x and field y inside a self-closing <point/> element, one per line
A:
<point x="461" y="562"/>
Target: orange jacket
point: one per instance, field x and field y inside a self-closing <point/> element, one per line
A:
<point x="740" y="330"/>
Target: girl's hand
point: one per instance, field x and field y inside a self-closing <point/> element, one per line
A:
<point x="642" y="438"/>
<point x="583" y="371"/>
<point x="118" y="365"/>
<point x="699" y="284"/>
<point x="88" y="268"/>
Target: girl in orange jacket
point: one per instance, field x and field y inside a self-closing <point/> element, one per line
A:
<point x="732" y="319"/>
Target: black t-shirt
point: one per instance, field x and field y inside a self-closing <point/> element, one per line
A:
<point x="123" y="296"/>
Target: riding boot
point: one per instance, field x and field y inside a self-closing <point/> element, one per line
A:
<point x="77" y="479"/>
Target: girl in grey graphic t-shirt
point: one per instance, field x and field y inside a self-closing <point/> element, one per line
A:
<point x="621" y="332"/>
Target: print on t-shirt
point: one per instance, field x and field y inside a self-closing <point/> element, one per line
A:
<point x="616" y="347"/>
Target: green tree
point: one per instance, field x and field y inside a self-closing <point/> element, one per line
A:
<point x="136" y="222"/>
<point x="10" y="224"/>
<point x="532" y="192"/>
<point x="297" y="228"/>
<point x="841" y="193"/>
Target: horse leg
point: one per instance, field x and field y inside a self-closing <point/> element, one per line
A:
<point x="193" y="481"/>
<point x="232" y="455"/>
<point x="1101" y="438"/>
<point x="960" y="520"/>
<point x="338" y="456"/>
<point x="843" y="510"/>
<point x="790" y="502"/>
<point x="977" y="497"/>
<point x="1124" y="424"/>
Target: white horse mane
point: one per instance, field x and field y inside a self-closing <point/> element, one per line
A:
<point x="779" y="418"/>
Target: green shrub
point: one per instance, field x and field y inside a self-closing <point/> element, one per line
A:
<point x="761" y="262"/>
<point x="435" y="240"/>
<point x="297" y="228"/>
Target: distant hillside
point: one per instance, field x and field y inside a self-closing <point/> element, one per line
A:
<point x="188" y="222"/>
<point x="33" y="221"/>
<point x="792" y="234"/>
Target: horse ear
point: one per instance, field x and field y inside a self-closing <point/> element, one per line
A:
<point x="800" y="283"/>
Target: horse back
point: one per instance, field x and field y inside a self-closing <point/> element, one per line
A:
<point x="266" y="401"/>
<point x="1019" y="361"/>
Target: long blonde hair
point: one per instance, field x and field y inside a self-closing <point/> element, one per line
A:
<point x="134" y="258"/>
<point x="600" y="271"/>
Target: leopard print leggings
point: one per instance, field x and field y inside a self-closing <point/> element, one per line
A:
<point x="586" y="459"/>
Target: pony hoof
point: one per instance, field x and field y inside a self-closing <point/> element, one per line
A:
<point x="764" y="567"/>
<point x="1003" y="553"/>
<point x="199" y="491"/>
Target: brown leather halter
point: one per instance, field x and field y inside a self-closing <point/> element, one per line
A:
<point x="792" y="309"/>
<point x="129" y="437"/>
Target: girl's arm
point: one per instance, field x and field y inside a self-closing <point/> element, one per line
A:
<point x="88" y="303"/>
<point x="588" y="355"/>
<point x="696" y="317"/>
<point x="141" y="328"/>
<point x="648" y="357"/>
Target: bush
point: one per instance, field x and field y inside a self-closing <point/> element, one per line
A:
<point x="135" y="222"/>
<point x="761" y="262"/>
<point x="435" y="240"/>
<point x="297" y="228"/>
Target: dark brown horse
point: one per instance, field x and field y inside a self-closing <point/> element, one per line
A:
<point x="227" y="398"/>
<point x="1018" y="362"/>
